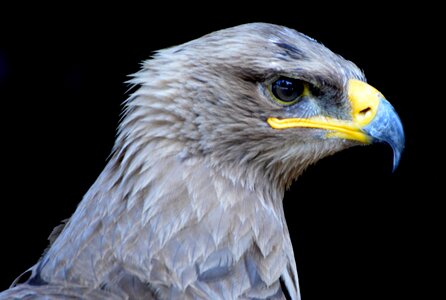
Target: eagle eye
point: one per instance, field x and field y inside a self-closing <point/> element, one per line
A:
<point x="287" y="90"/>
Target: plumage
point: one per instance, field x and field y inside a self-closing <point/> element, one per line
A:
<point x="189" y="205"/>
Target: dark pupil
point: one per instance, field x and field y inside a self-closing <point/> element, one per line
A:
<point x="287" y="89"/>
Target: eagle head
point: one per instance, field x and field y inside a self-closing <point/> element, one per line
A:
<point x="259" y="102"/>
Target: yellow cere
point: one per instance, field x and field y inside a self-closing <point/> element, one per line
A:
<point x="364" y="101"/>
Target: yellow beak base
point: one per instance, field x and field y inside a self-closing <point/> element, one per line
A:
<point x="364" y="100"/>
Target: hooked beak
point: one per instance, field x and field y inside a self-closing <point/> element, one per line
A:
<point x="373" y="119"/>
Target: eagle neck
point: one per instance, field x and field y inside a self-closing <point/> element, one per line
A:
<point x="141" y="207"/>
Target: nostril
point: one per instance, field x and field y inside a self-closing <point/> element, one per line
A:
<point x="365" y="111"/>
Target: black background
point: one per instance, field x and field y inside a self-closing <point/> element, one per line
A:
<point x="359" y="231"/>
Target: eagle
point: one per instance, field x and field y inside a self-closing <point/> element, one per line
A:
<point x="189" y="205"/>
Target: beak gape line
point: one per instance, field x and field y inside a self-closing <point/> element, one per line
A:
<point x="373" y="119"/>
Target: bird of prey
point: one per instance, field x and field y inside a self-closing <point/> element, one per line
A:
<point x="189" y="205"/>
